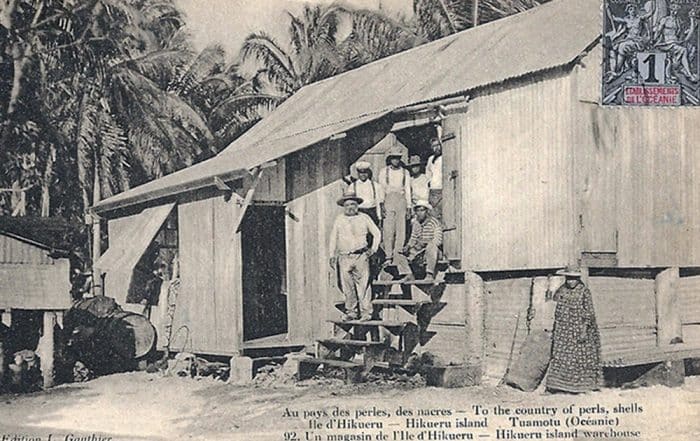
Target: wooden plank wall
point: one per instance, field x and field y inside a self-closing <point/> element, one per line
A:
<point x="507" y="302"/>
<point x="626" y="313"/>
<point x="16" y="251"/>
<point x="688" y="292"/>
<point x="210" y="271"/>
<point x="638" y="175"/>
<point x="33" y="286"/>
<point x="517" y="193"/>
<point x="314" y="184"/>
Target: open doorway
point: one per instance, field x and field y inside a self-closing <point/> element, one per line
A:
<point x="264" y="271"/>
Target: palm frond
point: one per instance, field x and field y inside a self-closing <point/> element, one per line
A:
<point x="263" y="49"/>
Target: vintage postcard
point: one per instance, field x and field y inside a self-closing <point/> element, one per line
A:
<point x="367" y="220"/>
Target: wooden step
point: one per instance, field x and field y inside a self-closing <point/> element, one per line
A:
<point x="418" y="282"/>
<point x="399" y="302"/>
<point x="384" y="323"/>
<point x="350" y="343"/>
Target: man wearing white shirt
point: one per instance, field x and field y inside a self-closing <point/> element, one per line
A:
<point x="350" y="251"/>
<point x="420" y="186"/>
<point x="433" y="171"/>
<point x="371" y="192"/>
<point x="397" y="199"/>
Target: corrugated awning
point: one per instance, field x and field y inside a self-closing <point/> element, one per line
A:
<point x="118" y="262"/>
<point x="232" y="164"/>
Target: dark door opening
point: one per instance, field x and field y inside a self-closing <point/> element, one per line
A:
<point x="264" y="271"/>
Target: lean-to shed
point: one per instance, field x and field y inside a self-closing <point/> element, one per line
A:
<point x="537" y="175"/>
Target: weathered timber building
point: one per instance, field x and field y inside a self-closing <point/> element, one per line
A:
<point x="537" y="176"/>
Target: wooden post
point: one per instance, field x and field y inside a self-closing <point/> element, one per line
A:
<point x="7" y="317"/>
<point x="668" y="314"/>
<point x="476" y="306"/>
<point x="45" y="349"/>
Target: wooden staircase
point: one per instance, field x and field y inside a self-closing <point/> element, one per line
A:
<point x="393" y="334"/>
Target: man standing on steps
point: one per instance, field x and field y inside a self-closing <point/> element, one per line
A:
<point x="423" y="248"/>
<point x="350" y="251"/>
<point x="433" y="170"/>
<point x="372" y="193"/>
<point x="397" y="200"/>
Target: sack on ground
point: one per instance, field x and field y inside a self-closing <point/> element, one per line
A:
<point x="530" y="366"/>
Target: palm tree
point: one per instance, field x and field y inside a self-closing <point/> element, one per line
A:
<point x="439" y="18"/>
<point x="311" y="54"/>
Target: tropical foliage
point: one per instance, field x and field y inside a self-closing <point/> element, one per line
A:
<point x="97" y="96"/>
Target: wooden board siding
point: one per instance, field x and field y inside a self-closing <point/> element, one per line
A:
<point x="210" y="271"/>
<point x="35" y="286"/>
<point x="626" y="313"/>
<point x="507" y="302"/>
<point x="452" y="185"/>
<point x="688" y="291"/>
<point x="638" y="175"/>
<point x="16" y="251"/>
<point x="271" y="187"/>
<point x="313" y="185"/>
<point x="517" y="193"/>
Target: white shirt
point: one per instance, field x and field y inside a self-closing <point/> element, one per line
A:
<point x="419" y="188"/>
<point x="349" y="234"/>
<point x="434" y="172"/>
<point x="396" y="181"/>
<point x="372" y="193"/>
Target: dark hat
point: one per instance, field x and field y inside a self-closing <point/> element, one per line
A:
<point x="395" y="152"/>
<point x="414" y="160"/>
<point x="349" y="196"/>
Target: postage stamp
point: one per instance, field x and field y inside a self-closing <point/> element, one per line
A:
<point x="651" y="53"/>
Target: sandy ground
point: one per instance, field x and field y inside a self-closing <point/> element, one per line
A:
<point x="145" y="406"/>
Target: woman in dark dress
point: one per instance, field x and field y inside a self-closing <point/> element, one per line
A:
<point x="575" y="366"/>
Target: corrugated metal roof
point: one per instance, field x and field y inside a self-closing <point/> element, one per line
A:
<point x="548" y="36"/>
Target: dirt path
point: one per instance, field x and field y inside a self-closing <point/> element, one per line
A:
<point x="141" y="406"/>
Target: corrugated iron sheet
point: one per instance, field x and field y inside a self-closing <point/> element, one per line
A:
<point x="548" y="36"/>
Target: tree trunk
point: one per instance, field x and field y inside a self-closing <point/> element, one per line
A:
<point x="81" y="157"/>
<point x="475" y="13"/>
<point x="96" y="230"/>
<point x="46" y="182"/>
<point x="8" y="8"/>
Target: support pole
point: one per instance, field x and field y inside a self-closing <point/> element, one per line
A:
<point x="476" y="306"/>
<point x="668" y="314"/>
<point x="46" y="349"/>
<point x="6" y="317"/>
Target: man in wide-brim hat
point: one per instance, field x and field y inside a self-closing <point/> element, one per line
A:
<point x="423" y="249"/>
<point x="350" y="252"/>
<point x="397" y="200"/>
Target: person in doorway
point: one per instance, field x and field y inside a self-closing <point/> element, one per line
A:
<point x="433" y="171"/>
<point x="575" y="365"/>
<point x="350" y="253"/>
<point x="421" y="253"/>
<point x="397" y="200"/>
<point x="420" y="189"/>
<point x="371" y="192"/>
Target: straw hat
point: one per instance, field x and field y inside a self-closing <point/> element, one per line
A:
<point x="414" y="160"/>
<point x="423" y="203"/>
<point x="349" y="196"/>
<point x="569" y="271"/>
<point x="363" y="166"/>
